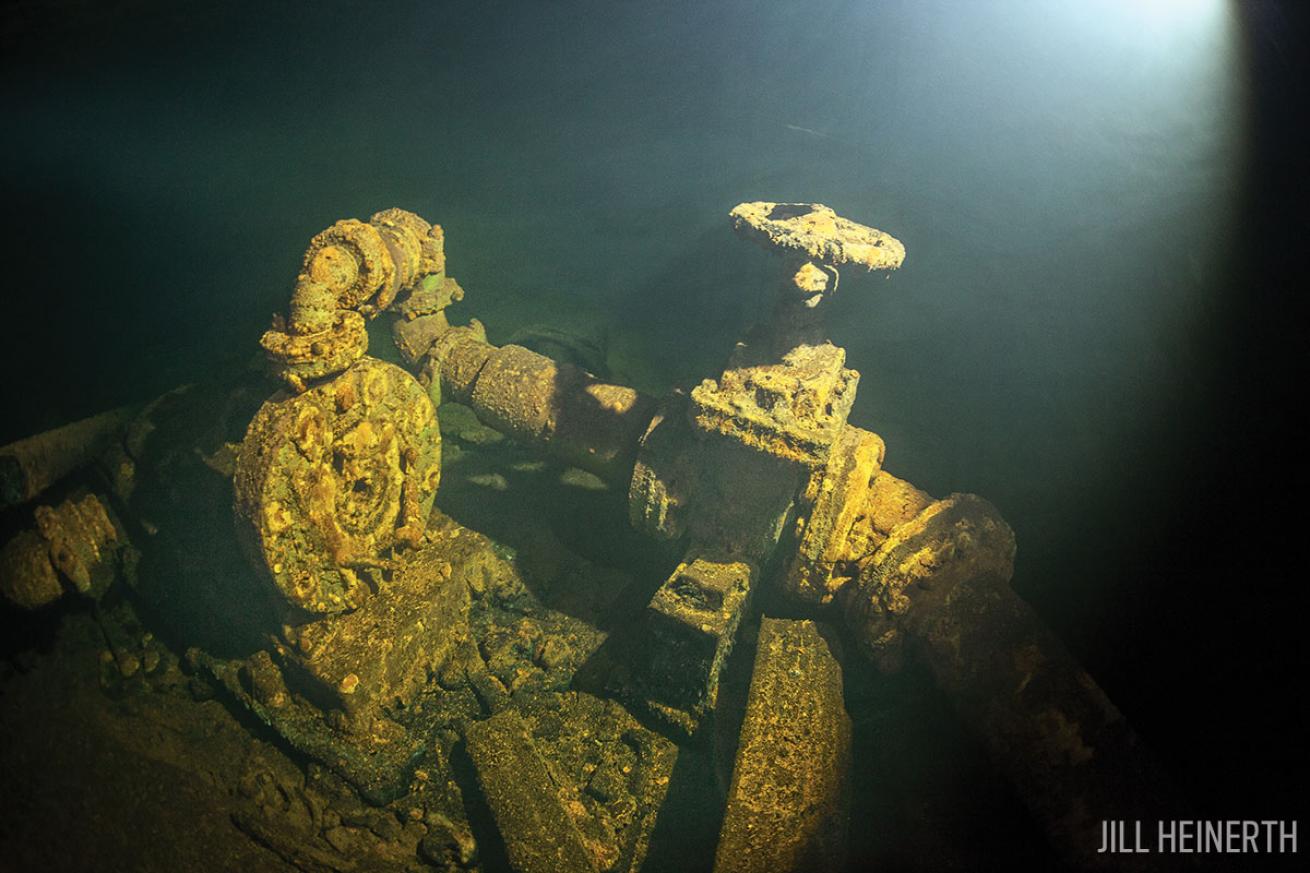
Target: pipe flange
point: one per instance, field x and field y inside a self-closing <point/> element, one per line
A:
<point x="837" y="494"/>
<point x="299" y="359"/>
<point x="353" y="259"/>
<point x="414" y="251"/>
<point x="959" y="540"/>
<point x="330" y="481"/>
<point x="432" y="294"/>
<point x="457" y="357"/>
<point x="427" y="242"/>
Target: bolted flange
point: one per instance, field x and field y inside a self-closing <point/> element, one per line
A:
<point x="837" y="495"/>
<point x="328" y="482"/>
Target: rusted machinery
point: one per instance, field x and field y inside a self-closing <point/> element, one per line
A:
<point x="755" y="476"/>
<point x="762" y="458"/>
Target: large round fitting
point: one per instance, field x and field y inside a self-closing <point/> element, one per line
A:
<point x="299" y="358"/>
<point x="331" y="481"/>
<point x="352" y="259"/>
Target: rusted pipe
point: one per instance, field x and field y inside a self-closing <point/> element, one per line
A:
<point x="76" y="545"/>
<point x="558" y="408"/>
<point x="937" y="590"/>
<point x="30" y="466"/>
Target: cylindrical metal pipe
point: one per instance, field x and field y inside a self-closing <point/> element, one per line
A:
<point x="31" y="465"/>
<point x="938" y="589"/>
<point x="1067" y="750"/>
<point x="558" y="408"/>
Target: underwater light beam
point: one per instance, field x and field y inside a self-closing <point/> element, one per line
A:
<point x="1174" y="21"/>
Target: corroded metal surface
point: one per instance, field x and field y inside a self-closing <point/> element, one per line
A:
<point x="30" y="465"/>
<point x="27" y="578"/>
<point x="417" y="250"/>
<point x="76" y="541"/>
<point x="433" y="294"/>
<point x="792" y="410"/>
<point x="83" y="542"/>
<point x="814" y="232"/>
<point x="350" y="262"/>
<point x="891" y="503"/>
<point x="588" y="349"/>
<point x="835" y="498"/>
<point x="686" y="634"/>
<point x="557" y="407"/>
<point x="302" y="358"/>
<point x="384" y="651"/>
<point x="352" y="271"/>
<point x="608" y="772"/>
<point x="955" y="540"/>
<point x="666" y="474"/>
<point x="815" y="242"/>
<point x="789" y="803"/>
<point x="937" y="588"/>
<point x="540" y="835"/>
<point x="329" y="481"/>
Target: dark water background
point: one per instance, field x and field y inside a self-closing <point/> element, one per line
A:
<point x="1092" y="327"/>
